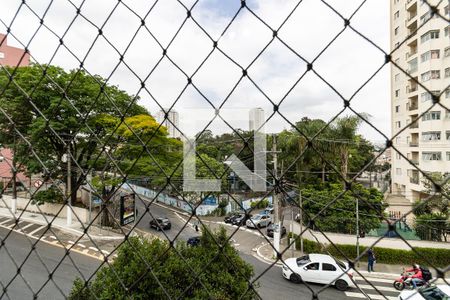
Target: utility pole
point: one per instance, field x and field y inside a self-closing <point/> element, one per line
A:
<point x="357" y="228"/>
<point x="69" y="187"/>
<point x="276" y="202"/>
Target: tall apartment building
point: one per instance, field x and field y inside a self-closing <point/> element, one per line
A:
<point x="421" y="46"/>
<point x="256" y="118"/>
<point x="12" y="56"/>
<point x="171" y="123"/>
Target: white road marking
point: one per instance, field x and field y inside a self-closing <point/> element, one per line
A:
<point x="4" y="222"/>
<point x="53" y="237"/>
<point x="81" y="245"/>
<point x="26" y="226"/>
<point x="380" y="288"/>
<point x="370" y="279"/>
<point x="377" y="297"/>
<point x="71" y="242"/>
<point x="94" y="249"/>
<point x="36" y="230"/>
<point x="105" y="252"/>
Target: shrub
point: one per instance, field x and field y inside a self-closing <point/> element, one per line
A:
<point x="51" y="195"/>
<point x="260" y="204"/>
<point x="437" y="257"/>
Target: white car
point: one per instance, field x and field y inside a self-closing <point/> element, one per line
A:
<point x="428" y="293"/>
<point x="318" y="268"/>
<point x="259" y="221"/>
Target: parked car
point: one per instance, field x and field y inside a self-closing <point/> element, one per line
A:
<point x="259" y="221"/>
<point x="272" y="227"/>
<point x="429" y="293"/>
<point x="267" y="211"/>
<point x="318" y="268"/>
<point x="160" y="223"/>
<point x="240" y="220"/>
<point x="193" y="241"/>
<point x="230" y="218"/>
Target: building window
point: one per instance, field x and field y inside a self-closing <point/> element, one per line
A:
<point x="431" y="156"/>
<point x="431" y="115"/>
<point x="396" y="15"/>
<point x="447" y="135"/>
<point x="396" y="77"/>
<point x="428" y="96"/>
<point x="398" y="171"/>
<point x="397" y="140"/>
<point x="446" y="11"/>
<point x="447" y="52"/>
<point x="447" y="30"/>
<point x="398" y="156"/>
<point x="448" y="155"/>
<point x="396" y="45"/>
<point x="447" y="72"/>
<point x="398" y="124"/>
<point x="447" y="93"/>
<point x="433" y="74"/>
<point x="431" y="136"/>
<point x="432" y="54"/>
<point x="2" y="55"/>
<point x="430" y="35"/>
<point x="396" y="31"/>
<point x="425" y="17"/>
<point x="397" y="93"/>
<point x="397" y="108"/>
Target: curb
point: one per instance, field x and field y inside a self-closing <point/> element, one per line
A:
<point x="62" y="228"/>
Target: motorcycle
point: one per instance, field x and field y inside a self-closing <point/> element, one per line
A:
<point x="404" y="281"/>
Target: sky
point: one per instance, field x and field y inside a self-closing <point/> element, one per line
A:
<point x="305" y="29"/>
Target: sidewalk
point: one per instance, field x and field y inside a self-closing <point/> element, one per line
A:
<point x="266" y="253"/>
<point x="75" y="228"/>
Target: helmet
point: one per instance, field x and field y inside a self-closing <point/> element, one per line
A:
<point x="416" y="266"/>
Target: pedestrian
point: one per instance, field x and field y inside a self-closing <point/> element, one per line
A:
<point x="371" y="259"/>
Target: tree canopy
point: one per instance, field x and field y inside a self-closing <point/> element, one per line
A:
<point x="154" y="270"/>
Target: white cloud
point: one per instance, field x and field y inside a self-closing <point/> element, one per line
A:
<point x="346" y="64"/>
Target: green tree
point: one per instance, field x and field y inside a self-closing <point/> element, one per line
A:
<point x="432" y="221"/>
<point x="154" y="270"/>
<point x="340" y="215"/>
<point x="54" y="112"/>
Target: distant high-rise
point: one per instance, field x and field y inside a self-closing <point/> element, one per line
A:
<point x="256" y="118"/>
<point x="171" y="123"/>
<point x="12" y="56"/>
<point x="420" y="46"/>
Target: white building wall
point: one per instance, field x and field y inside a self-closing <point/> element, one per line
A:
<point x="405" y="18"/>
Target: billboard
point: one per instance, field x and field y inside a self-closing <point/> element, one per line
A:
<point x="127" y="209"/>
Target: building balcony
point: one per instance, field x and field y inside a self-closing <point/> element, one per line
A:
<point x="414" y="144"/>
<point x="411" y="5"/>
<point x="415" y="161"/>
<point x="411" y="54"/>
<point x="411" y="89"/>
<point x="414" y="180"/>
<point x="412" y="107"/>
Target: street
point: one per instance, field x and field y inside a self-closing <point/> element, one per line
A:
<point x="36" y="267"/>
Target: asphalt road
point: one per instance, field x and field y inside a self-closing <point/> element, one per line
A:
<point x="272" y="285"/>
<point x="178" y="232"/>
<point x="35" y="268"/>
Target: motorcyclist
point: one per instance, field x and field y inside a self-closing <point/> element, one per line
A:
<point x="417" y="277"/>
